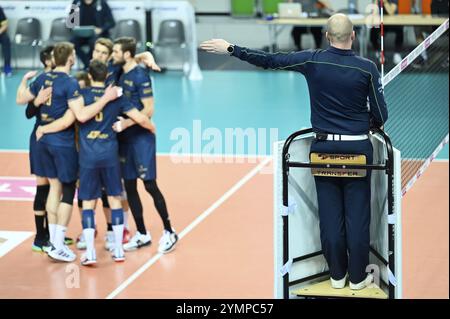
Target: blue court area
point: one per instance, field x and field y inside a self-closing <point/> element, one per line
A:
<point x="192" y="117"/>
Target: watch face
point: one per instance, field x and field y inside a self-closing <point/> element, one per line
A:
<point x="230" y="49"/>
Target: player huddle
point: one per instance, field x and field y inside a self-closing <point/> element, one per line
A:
<point x="95" y="131"/>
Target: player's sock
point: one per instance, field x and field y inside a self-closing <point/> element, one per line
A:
<point x="117" y="222"/>
<point x="88" y="222"/>
<point x="52" y="232"/>
<point x="87" y="219"/>
<point x="125" y="219"/>
<point x="160" y="203"/>
<point x="46" y="226"/>
<point x="60" y="234"/>
<point x="40" y="227"/>
<point x="39" y="206"/>
<point x="89" y="235"/>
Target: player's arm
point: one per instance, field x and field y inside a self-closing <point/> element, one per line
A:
<point x="56" y="126"/>
<point x="85" y="113"/>
<point x="41" y="98"/>
<point x="31" y="110"/>
<point x="276" y="61"/>
<point x="147" y="111"/>
<point x="147" y="59"/>
<point x="24" y="95"/>
<point x="141" y="119"/>
<point x="149" y="106"/>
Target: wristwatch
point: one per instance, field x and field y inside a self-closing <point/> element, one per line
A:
<point x="230" y="49"/>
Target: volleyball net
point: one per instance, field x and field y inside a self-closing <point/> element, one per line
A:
<point x="417" y="96"/>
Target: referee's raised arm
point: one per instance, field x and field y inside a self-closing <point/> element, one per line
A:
<point x="294" y="61"/>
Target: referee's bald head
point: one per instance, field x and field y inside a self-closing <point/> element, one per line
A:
<point x="339" y="28"/>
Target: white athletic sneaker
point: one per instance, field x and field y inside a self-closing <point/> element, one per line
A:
<point x="88" y="260"/>
<point x="109" y="240"/>
<point x="363" y="284"/>
<point x="338" y="284"/>
<point x="397" y="58"/>
<point x="62" y="254"/>
<point x="81" y="243"/>
<point x="118" y="254"/>
<point x="70" y="252"/>
<point x="167" y="241"/>
<point x="138" y="241"/>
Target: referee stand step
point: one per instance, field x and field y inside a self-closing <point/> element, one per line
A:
<point x="323" y="290"/>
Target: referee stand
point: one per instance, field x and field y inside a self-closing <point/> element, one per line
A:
<point x="300" y="268"/>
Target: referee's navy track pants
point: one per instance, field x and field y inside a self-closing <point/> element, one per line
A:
<point x="344" y="213"/>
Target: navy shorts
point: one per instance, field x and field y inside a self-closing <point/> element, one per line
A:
<point x="138" y="159"/>
<point x="94" y="180"/>
<point x="59" y="162"/>
<point x="36" y="163"/>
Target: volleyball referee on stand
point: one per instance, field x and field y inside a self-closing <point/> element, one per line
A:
<point x="346" y="97"/>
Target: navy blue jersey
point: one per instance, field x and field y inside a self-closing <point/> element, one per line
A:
<point x="114" y="72"/>
<point x="98" y="141"/>
<point x="345" y="90"/>
<point x="65" y="88"/>
<point x="136" y="85"/>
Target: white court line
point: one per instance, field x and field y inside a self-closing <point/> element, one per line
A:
<point x="189" y="228"/>
<point x="13" y="151"/>
<point x="17" y="199"/>
<point x="164" y="154"/>
<point x="13" y="239"/>
<point x="19" y="178"/>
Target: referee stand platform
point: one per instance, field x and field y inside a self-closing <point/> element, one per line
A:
<point x="324" y="289"/>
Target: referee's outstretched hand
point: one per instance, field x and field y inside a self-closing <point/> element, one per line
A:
<point x="148" y="59"/>
<point x="217" y="46"/>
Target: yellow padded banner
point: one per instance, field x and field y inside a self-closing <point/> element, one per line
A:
<point x="340" y="159"/>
